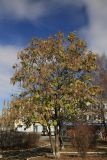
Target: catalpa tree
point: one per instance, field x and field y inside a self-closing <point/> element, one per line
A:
<point x="56" y="81"/>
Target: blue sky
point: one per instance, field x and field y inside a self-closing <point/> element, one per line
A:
<point x="21" y="20"/>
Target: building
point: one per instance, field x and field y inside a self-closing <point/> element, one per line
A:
<point x="37" y="127"/>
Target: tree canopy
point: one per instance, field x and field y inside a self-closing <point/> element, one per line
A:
<point x="56" y="80"/>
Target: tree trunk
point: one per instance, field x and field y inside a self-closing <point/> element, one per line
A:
<point x="61" y="142"/>
<point x="57" y="153"/>
<point x="60" y="138"/>
<point x="51" y="140"/>
<point x="104" y="122"/>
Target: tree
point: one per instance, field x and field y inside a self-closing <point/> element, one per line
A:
<point x="101" y="80"/>
<point x="55" y="77"/>
<point x="7" y="118"/>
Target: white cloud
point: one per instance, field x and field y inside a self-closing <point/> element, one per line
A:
<point x="22" y="9"/>
<point x="8" y="55"/>
<point x="96" y="31"/>
<point x="31" y="9"/>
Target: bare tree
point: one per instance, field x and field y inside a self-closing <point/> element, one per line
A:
<point x="101" y="79"/>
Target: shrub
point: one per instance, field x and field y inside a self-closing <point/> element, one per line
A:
<point x="83" y="137"/>
<point x="12" y="139"/>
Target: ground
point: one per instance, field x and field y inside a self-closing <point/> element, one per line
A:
<point x="70" y="158"/>
<point x="43" y="152"/>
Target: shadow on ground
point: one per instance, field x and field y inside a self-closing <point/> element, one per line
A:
<point x="24" y="154"/>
